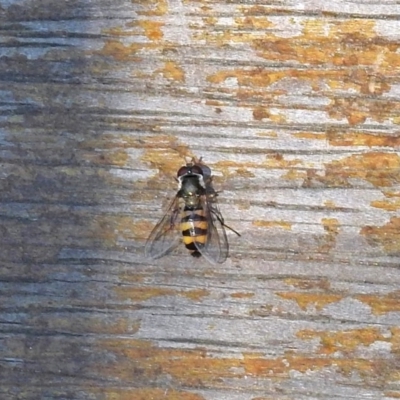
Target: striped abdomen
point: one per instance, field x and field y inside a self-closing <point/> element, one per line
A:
<point x="194" y="229"/>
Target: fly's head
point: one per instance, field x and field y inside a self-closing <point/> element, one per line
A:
<point x="191" y="190"/>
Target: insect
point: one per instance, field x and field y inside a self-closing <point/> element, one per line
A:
<point x="194" y="217"/>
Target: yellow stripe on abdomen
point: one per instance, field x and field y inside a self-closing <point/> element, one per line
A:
<point x="194" y="228"/>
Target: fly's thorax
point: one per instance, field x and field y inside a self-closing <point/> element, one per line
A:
<point x="190" y="190"/>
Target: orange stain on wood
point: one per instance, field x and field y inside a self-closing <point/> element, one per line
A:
<point x="386" y="236"/>
<point x="343" y="341"/>
<point x="318" y="300"/>
<point x="273" y="224"/>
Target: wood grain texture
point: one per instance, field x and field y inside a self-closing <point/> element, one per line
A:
<point x="295" y="107"/>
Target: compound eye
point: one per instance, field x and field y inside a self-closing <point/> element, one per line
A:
<point x="196" y="170"/>
<point x="182" y="171"/>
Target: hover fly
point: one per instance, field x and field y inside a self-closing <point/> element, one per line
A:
<point x="193" y="216"/>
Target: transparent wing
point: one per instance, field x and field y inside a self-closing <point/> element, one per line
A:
<point x="165" y="235"/>
<point x="216" y="247"/>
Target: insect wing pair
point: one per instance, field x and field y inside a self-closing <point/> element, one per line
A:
<point x="193" y="216"/>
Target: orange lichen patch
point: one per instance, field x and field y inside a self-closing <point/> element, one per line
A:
<point x="331" y="225"/>
<point x="172" y="71"/>
<point x="263" y="311"/>
<point x="263" y="398"/>
<point x="152" y="29"/>
<point x="318" y="300"/>
<point x="255" y="365"/>
<point x="350" y="109"/>
<point x="378" y="168"/>
<point x="330" y="204"/>
<point x="328" y="241"/>
<point x="254" y="78"/>
<point x="87" y="324"/>
<point x="386" y="235"/>
<point x="395" y="339"/>
<point x="259" y="113"/>
<point x="253" y="22"/>
<point x="244" y="173"/>
<point x="242" y="295"/>
<point x="110" y="228"/>
<point x="294" y="174"/>
<point x="196" y="368"/>
<point x="243" y="204"/>
<point x="273" y="160"/>
<point x="189" y="367"/>
<point x="310" y="135"/>
<point x="341" y="43"/>
<point x="119" y="51"/>
<point x="131" y="278"/>
<point x="322" y="284"/>
<point x="210" y="102"/>
<point x="146" y="394"/>
<point x="391" y="194"/>
<point x="277" y="160"/>
<point x="273" y="224"/>
<point x="160" y="7"/>
<point x="267" y="134"/>
<point x="343" y="341"/>
<point x="165" y="153"/>
<point x="111" y="157"/>
<point x="139" y="294"/>
<point x="381" y="304"/>
<point x="387" y="205"/>
<point x="391" y="204"/>
<point x="362" y="139"/>
<point x="195" y="294"/>
<point x="392" y="394"/>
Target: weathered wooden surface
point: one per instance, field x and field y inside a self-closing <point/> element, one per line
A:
<point x="295" y="106"/>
